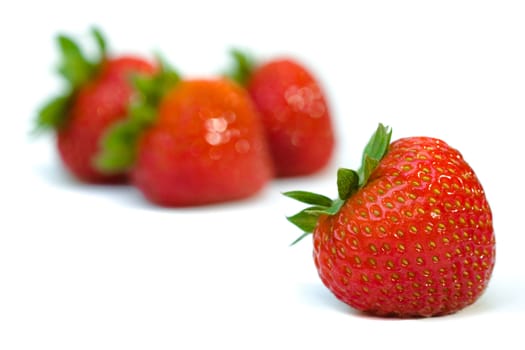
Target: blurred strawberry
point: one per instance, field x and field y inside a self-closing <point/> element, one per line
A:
<point x="294" y="110"/>
<point x="97" y="94"/>
<point x="190" y="142"/>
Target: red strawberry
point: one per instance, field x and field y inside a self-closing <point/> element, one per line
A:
<point x="294" y="110"/>
<point x="410" y="234"/>
<point x="97" y="95"/>
<point x="195" y="142"/>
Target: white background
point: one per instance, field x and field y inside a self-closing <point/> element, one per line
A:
<point x="89" y="267"/>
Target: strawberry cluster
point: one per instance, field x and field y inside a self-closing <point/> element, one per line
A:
<point x="186" y="142"/>
<point x="409" y="235"/>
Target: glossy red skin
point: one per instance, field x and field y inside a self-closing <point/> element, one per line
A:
<point x="296" y="117"/>
<point x="418" y="240"/>
<point x="96" y="106"/>
<point x="207" y="146"/>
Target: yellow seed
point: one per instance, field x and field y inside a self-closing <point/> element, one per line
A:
<point x="420" y="261"/>
<point x="378" y="277"/>
<point x="348" y="271"/>
<point x="404" y="262"/>
<point x="432" y="244"/>
<point x="435" y="259"/>
<point x="373" y="248"/>
<point x="389" y="265"/>
<point x="413" y="229"/>
<point x="389" y="205"/>
<point x="400" y="199"/>
<point x="395" y="276"/>
<point x="372" y="262"/>
<point x="364" y="278"/>
<point x="342" y="251"/>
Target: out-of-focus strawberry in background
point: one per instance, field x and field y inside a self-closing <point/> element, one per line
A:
<point x="84" y="267"/>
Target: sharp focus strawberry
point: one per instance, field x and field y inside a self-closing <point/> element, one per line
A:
<point x="411" y="233"/>
<point x="97" y="95"/>
<point x="294" y="110"/>
<point x="190" y="142"/>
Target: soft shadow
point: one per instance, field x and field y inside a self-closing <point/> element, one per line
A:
<point x="124" y="193"/>
<point x="319" y="296"/>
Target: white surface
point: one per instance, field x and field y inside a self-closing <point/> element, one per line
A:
<point x="99" y="268"/>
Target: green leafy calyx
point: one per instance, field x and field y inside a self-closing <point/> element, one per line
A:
<point x="76" y="69"/>
<point x="119" y="143"/>
<point x="242" y="67"/>
<point x="348" y="183"/>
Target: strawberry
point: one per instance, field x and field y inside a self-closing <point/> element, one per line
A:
<point x="294" y="111"/>
<point x="411" y="233"/>
<point x="190" y="142"/>
<point x="97" y="95"/>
